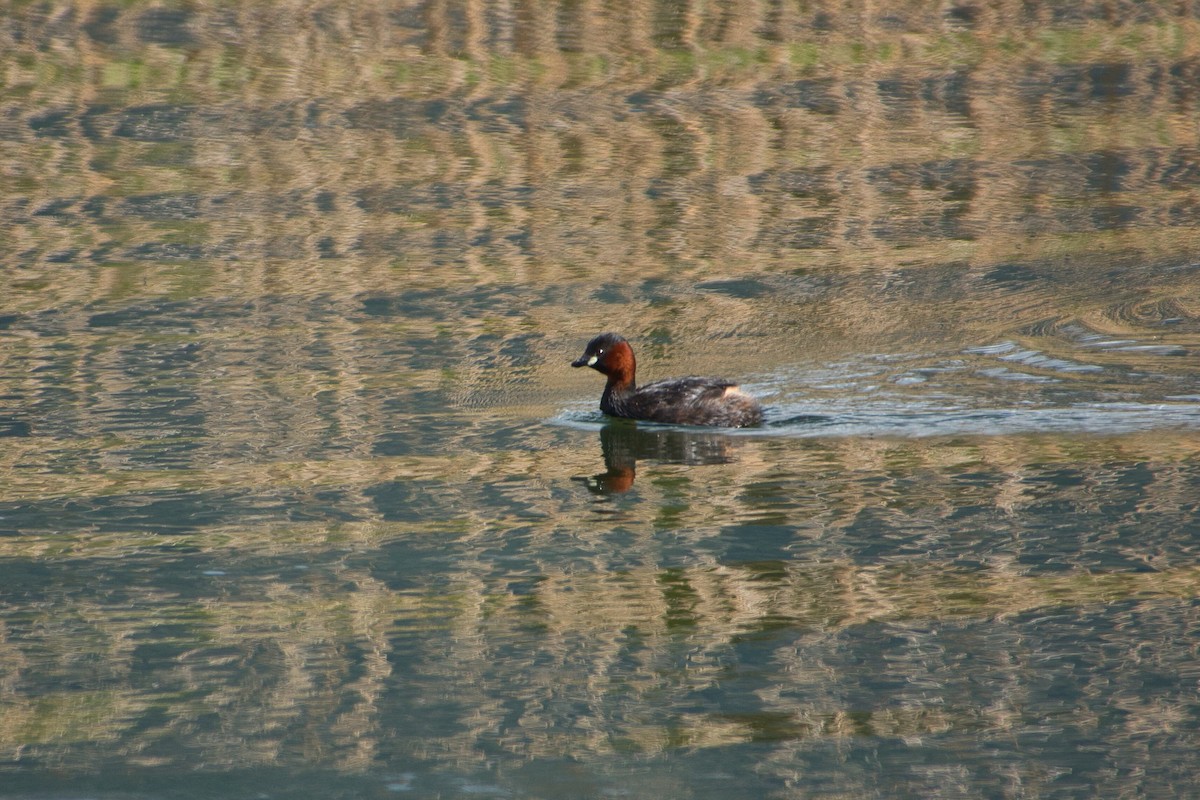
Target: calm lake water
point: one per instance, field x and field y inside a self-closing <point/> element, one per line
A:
<point x="299" y="496"/>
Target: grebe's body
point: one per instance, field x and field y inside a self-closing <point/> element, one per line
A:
<point x="680" y="401"/>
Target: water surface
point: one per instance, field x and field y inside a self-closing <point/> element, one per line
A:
<point x="299" y="496"/>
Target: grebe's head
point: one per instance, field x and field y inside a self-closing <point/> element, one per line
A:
<point x="609" y="354"/>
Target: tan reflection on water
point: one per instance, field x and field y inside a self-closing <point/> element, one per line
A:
<point x="241" y="177"/>
<point x="464" y="143"/>
<point x="272" y="668"/>
<point x="297" y="666"/>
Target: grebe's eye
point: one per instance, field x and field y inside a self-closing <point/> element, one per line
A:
<point x="600" y="352"/>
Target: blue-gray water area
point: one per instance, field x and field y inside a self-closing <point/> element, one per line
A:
<point x="300" y="496"/>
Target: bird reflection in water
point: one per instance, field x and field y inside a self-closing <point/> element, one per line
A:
<point x="624" y="443"/>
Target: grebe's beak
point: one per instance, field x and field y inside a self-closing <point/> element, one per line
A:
<point x="583" y="361"/>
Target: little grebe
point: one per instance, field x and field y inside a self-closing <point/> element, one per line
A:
<point x="681" y="401"/>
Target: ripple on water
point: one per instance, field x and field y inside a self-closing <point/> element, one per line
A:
<point x="803" y="420"/>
